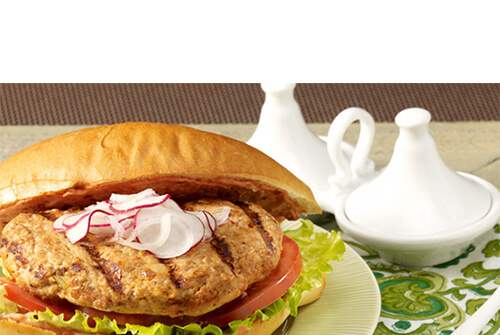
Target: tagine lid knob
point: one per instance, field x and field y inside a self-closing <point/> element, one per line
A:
<point x="417" y="193"/>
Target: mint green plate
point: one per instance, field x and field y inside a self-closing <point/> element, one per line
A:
<point x="350" y="303"/>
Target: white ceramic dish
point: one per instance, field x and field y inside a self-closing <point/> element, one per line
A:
<point x="416" y="211"/>
<point x="283" y="134"/>
<point x="349" y="305"/>
<point x="424" y="249"/>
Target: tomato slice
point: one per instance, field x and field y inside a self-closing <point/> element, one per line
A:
<point x="263" y="293"/>
<point x="258" y="296"/>
<point x="33" y="303"/>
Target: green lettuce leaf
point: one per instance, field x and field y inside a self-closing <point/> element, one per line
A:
<point x="318" y="250"/>
<point x="106" y="326"/>
<point x="6" y="306"/>
<point x="3" y="272"/>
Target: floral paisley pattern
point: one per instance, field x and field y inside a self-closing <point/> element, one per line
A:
<point x="436" y="300"/>
<point x="413" y="295"/>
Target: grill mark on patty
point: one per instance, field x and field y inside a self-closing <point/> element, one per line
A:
<point x="50" y="215"/>
<point x="173" y="272"/>
<point x="257" y="223"/>
<point x="206" y="281"/>
<point x="110" y="270"/>
<point x="222" y="248"/>
<point x="18" y="251"/>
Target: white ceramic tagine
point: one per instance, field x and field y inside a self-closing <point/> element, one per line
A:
<point x="417" y="211"/>
<point x="283" y="134"/>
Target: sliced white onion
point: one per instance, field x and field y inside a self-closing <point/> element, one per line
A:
<point x="144" y="221"/>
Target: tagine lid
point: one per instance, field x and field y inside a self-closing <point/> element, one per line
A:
<point x="417" y="193"/>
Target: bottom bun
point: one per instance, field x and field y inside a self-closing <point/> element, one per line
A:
<point x="268" y="327"/>
<point x="13" y="326"/>
<point x="265" y="327"/>
<point x="314" y="294"/>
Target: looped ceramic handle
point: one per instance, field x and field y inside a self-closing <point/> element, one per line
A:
<point x="346" y="174"/>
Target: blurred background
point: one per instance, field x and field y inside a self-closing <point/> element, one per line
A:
<point x="85" y="104"/>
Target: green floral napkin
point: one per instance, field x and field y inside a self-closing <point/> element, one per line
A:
<point x="436" y="300"/>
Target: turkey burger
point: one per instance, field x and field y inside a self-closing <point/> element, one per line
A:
<point x="148" y="228"/>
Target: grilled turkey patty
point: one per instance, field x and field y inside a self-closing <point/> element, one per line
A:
<point x="113" y="277"/>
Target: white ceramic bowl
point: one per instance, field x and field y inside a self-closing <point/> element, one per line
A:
<point x="423" y="249"/>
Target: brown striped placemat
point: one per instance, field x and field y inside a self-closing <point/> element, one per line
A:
<point x="52" y="104"/>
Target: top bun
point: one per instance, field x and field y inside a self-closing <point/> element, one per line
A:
<point x="85" y="166"/>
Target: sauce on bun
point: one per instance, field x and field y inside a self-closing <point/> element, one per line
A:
<point x="148" y="228"/>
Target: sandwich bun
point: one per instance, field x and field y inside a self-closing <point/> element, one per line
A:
<point x="85" y="166"/>
<point x="12" y="327"/>
<point x="268" y="327"/>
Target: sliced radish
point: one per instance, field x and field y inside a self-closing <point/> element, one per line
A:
<point x="208" y="222"/>
<point x="150" y="213"/>
<point x="120" y="198"/>
<point x="78" y="232"/>
<point x="138" y="201"/>
<point x="195" y="225"/>
<point x="144" y="221"/>
<point x="222" y="215"/>
<point x="153" y="234"/>
<point x="212" y="220"/>
<point x="180" y="241"/>
<point x="58" y="224"/>
<point x="172" y="205"/>
<point x="71" y="220"/>
<point x="99" y="218"/>
<point x="128" y="222"/>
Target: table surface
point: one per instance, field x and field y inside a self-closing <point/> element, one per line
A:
<point x="431" y="300"/>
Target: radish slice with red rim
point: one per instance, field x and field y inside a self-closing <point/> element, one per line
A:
<point x="137" y="201"/>
<point x="144" y="221"/>
<point x="78" y="232"/>
<point x="116" y="198"/>
<point x="71" y="220"/>
<point x="59" y="223"/>
<point x="58" y="226"/>
<point x="213" y="220"/>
